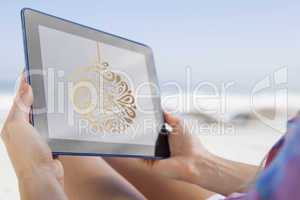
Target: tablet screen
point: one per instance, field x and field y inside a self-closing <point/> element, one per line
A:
<point x="94" y="92"/>
<point x="103" y="84"/>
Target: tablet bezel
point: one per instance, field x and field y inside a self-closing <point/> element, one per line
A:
<point x="31" y="19"/>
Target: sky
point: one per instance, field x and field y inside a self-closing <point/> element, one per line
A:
<point x="219" y="41"/>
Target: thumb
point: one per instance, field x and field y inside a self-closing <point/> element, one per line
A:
<point x="178" y="128"/>
<point x="22" y="102"/>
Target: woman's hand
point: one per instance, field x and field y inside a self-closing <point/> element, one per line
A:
<point x="191" y="162"/>
<point x="39" y="175"/>
<point x="184" y="148"/>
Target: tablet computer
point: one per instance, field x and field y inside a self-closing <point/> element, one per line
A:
<point x="94" y="93"/>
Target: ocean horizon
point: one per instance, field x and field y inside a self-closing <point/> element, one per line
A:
<point x="186" y="102"/>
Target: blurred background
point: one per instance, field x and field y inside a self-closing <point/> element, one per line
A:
<point x="197" y="44"/>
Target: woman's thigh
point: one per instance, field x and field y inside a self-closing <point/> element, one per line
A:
<point x="88" y="178"/>
<point x="91" y="178"/>
<point x="154" y="186"/>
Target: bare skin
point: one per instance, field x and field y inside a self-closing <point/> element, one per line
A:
<point x="190" y="168"/>
<point x="91" y="178"/>
<point x="39" y="176"/>
<point x="190" y="162"/>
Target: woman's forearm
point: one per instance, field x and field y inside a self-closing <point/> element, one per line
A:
<point x="221" y="175"/>
<point x="41" y="183"/>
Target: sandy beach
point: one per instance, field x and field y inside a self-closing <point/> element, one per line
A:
<point x="8" y="181"/>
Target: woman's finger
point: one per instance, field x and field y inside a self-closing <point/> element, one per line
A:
<point x="175" y="123"/>
<point x="171" y="119"/>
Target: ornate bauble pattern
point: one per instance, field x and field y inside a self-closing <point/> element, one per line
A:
<point x="114" y="110"/>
